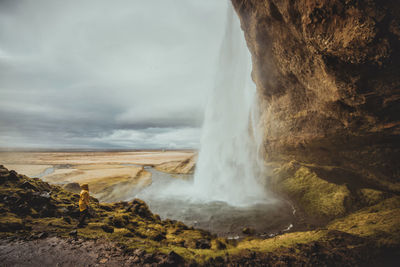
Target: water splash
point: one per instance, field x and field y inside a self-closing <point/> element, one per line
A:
<point x="229" y="165"/>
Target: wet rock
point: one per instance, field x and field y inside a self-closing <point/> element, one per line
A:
<point x="135" y="259"/>
<point x="129" y="234"/>
<point x="22" y="209"/>
<point x="181" y="225"/>
<point x="73" y="233"/>
<point x="13" y="175"/>
<point x="107" y="228"/>
<point x="42" y="235"/>
<point x="28" y="185"/>
<point x="139" y="252"/>
<point x="92" y="213"/>
<point x="148" y="258"/>
<point x="45" y="194"/>
<point x="106" y="208"/>
<point x="117" y="222"/>
<point x="219" y="245"/>
<point x="63" y="210"/>
<point x="73" y="211"/>
<point x="139" y="207"/>
<point x="104" y="260"/>
<point x="174" y="258"/>
<point x="158" y="237"/>
<point x="3" y="170"/>
<point x="47" y="210"/>
<point x="248" y="231"/>
<point x="203" y="244"/>
<point x="67" y="219"/>
<point x="11" y="226"/>
<point x="12" y="199"/>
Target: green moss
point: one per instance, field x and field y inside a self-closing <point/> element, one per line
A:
<point x="218" y="244"/>
<point x="371" y="196"/>
<point x="136" y="227"/>
<point x="316" y="196"/>
<point x="381" y="221"/>
<point x="286" y="240"/>
<point x="10" y="222"/>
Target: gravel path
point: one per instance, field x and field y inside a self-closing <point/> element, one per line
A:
<point x="55" y="251"/>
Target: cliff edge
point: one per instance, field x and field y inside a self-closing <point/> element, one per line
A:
<point x="327" y="75"/>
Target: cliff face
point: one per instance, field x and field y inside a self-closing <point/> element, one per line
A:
<point x="328" y="78"/>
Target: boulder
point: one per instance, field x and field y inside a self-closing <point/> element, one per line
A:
<point x="139" y="207"/>
<point x="203" y="244"/>
<point x="107" y="228"/>
<point x="28" y="185"/>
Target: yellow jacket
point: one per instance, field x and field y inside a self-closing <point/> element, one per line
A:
<point x="84" y="200"/>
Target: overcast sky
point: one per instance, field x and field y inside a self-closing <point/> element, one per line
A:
<point x="106" y="74"/>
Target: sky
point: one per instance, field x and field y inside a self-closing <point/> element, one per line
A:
<point x="100" y="74"/>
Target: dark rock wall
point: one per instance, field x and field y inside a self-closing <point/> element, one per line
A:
<point x="328" y="78"/>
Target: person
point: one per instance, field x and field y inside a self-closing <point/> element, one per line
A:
<point x="83" y="204"/>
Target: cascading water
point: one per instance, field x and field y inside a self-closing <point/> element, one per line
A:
<point x="225" y="194"/>
<point x="228" y="167"/>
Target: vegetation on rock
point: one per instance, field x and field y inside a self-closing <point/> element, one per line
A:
<point x="31" y="208"/>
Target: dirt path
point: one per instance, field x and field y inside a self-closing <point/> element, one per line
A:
<point x="55" y="251"/>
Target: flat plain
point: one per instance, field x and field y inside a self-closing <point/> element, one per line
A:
<point x="111" y="175"/>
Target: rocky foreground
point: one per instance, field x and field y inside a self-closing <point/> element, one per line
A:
<point x="38" y="227"/>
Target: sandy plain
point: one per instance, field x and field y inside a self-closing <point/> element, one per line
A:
<point x="111" y="175"/>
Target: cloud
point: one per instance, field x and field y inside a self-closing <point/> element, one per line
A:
<point x="78" y="74"/>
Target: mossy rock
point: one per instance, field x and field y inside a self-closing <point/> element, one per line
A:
<point x="316" y="196"/>
<point x="10" y="223"/>
<point x="371" y="197"/>
<point x="379" y="222"/>
<point x="119" y="221"/>
<point x="218" y="244"/>
<point x="107" y="228"/>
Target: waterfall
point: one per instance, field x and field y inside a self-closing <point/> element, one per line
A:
<point x="228" y="166"/>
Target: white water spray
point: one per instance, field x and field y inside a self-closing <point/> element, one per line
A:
<point x="225" y="194"/>
<point x="228" y="164"/>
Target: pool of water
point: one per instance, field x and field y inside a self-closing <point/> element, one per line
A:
<point x="265" y="218"/>
<point x="166" y="196"/>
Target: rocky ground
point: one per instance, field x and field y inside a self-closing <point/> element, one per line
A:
<point x="56" y="251"/>
<point x="38" y="226"/>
